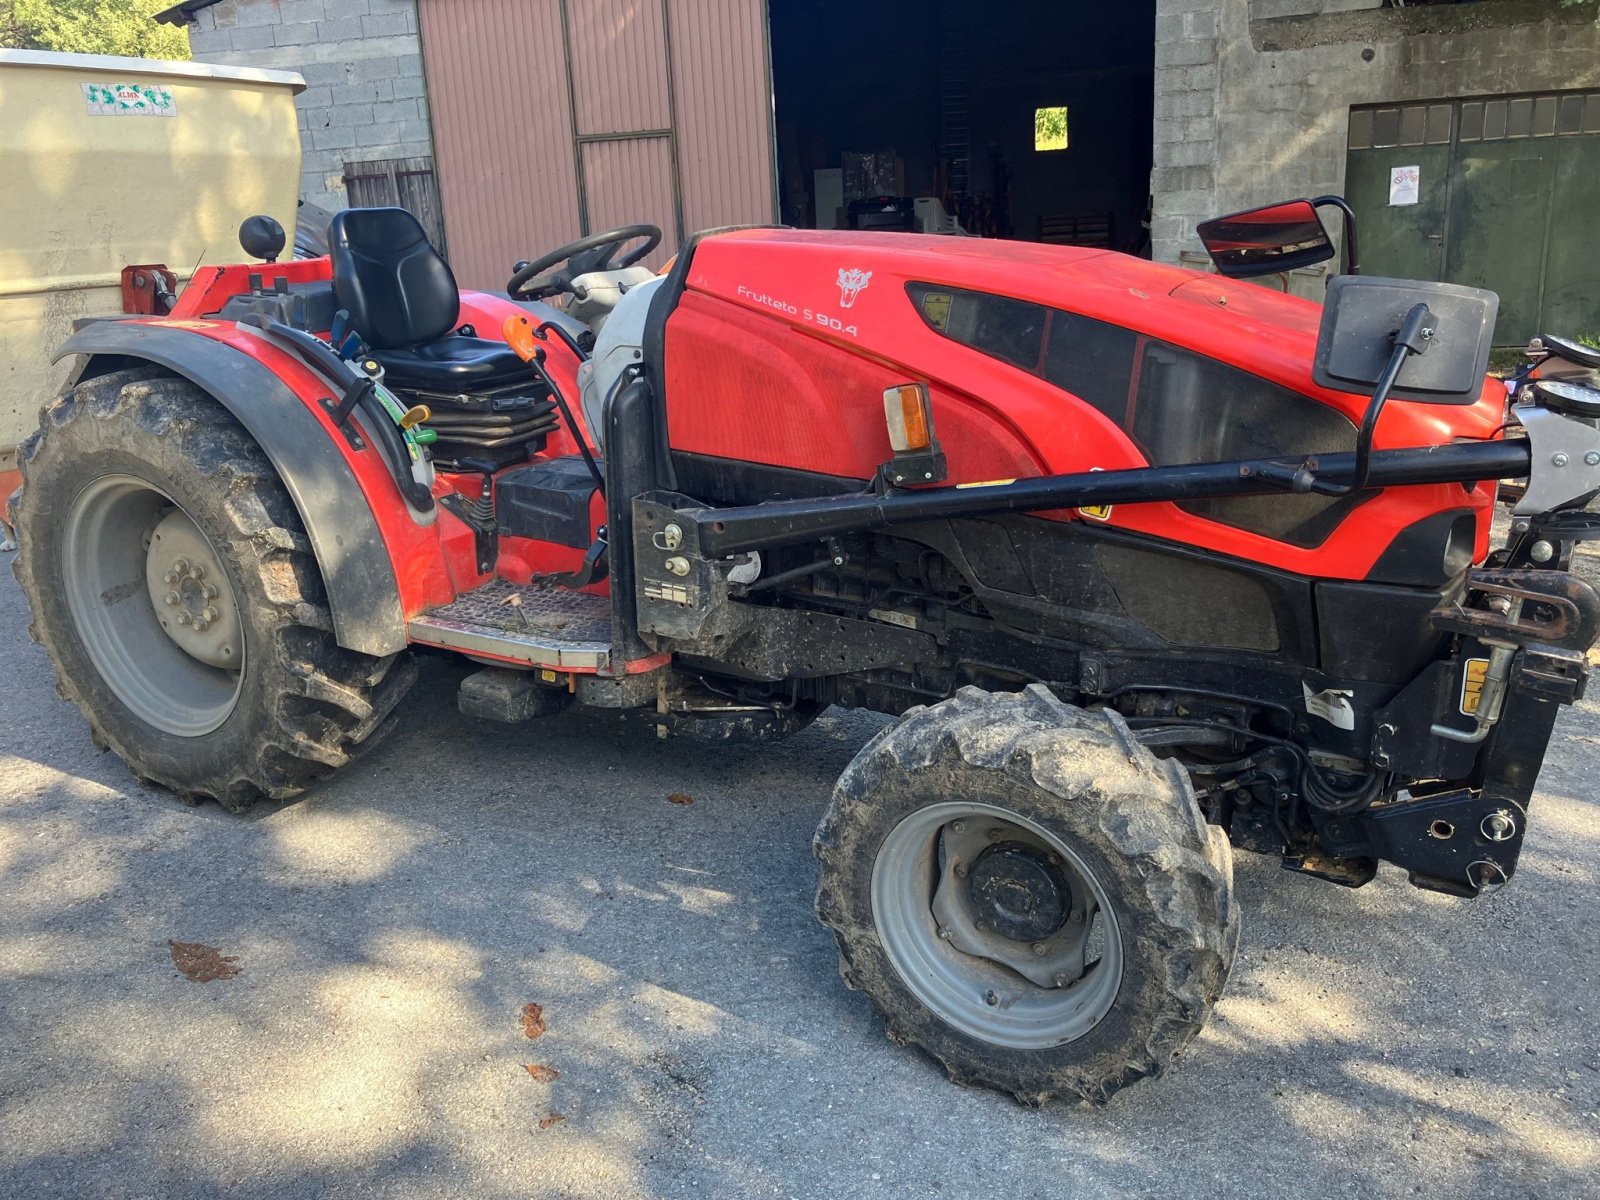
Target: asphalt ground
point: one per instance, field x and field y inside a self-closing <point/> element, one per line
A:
<point x="388" y="931"/>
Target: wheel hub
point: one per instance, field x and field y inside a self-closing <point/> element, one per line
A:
<point x="189" y="593"/>
<point x="1004" y="896"/>
<point x="122" y="539"/>
<point x="994" y="873"/>
<point x="1017" y="892"/>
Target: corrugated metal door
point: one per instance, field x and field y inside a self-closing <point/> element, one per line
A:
<point x="557" y="118"/>
<point x="1505" y="202"/>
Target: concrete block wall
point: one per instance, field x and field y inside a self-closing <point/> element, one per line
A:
<point x="1183" y="179"/>
<point x="1253" y="97"/>
<point x="362" y="61"/>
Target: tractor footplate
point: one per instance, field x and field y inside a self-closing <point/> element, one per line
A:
<point x="541" y="626"/>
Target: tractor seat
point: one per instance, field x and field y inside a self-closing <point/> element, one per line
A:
<point x="403" y="301"/>
<point x="453" y="364"/>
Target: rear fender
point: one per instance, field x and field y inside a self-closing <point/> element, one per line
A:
<point x="354" y="516"/>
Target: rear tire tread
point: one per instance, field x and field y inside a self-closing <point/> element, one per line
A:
<point x="338" y="699"/>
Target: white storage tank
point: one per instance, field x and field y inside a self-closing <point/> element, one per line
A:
<point x="112" y="162"/>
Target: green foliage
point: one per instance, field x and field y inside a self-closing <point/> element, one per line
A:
<point x="1050" y="129"/>
<point x="91" y="27"/>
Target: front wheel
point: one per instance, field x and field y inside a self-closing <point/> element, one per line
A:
<point x="1027" y="894"/>
<point x="174" y="589"/>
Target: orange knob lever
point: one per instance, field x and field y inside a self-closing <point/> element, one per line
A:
<point x="518" y="333"/>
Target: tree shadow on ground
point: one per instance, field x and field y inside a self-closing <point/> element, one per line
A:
<point x="392" y="926"/>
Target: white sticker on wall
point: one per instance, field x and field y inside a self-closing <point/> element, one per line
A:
<point x="1332" y="705"/>
<point x="1405" y="185"/>
<point x="129" y="100"/>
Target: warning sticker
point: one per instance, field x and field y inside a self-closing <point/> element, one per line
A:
<point x="936" y="308"/>
<point x="1332" y="705"/>
<point x="1472" y="684"/>
<point x="1096" y="512"/>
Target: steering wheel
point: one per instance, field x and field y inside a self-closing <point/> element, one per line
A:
<point x="597" y="252"/>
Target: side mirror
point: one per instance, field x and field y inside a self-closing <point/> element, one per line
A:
<point x="262" y="237"/>
<point x="1356" y="344"/>
<point x="1265" y="241"/>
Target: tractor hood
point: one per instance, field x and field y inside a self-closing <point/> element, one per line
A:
<point x="851" y="287"/>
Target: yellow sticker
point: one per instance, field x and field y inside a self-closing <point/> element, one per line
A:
<point x="936" y="308"/>
<point x="987" y="483"/>
<point x="1096" y="512"/>
<point x="1472" y="684"/>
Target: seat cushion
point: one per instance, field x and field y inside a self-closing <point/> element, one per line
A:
<point x="453" y="364"/>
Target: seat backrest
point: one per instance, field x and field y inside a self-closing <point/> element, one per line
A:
<point x="397" y="289"/>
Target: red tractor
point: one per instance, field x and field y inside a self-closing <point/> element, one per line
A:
<point x="1127" y="549"/>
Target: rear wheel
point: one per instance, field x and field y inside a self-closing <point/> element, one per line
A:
<point x="1026" y="893"/>
<point x="175" y="592"/>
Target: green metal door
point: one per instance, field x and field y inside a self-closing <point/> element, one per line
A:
<point x="1504" y="201"/>
<point x="1405" y="241"/>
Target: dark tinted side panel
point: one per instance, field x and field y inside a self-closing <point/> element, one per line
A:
<point x="1088" y="358"/>
<point x="1190" y="409"/>
<point x="1092" y="360"/>
<point x="1187" y="408"/>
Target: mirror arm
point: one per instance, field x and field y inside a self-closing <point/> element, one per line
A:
<point x="1352" y="264"/>
<point x="1413" y="336"/>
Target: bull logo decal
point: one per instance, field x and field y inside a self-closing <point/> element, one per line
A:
<point x="852" y="282"/>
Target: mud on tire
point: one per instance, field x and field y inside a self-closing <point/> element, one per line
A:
<point x="1129" y="818"/>
<point x="303" y="705"/>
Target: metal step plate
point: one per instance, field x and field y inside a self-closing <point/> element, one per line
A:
<point x="544" y="627"/>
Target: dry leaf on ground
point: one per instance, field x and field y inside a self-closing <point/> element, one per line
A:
<point x="533" y="1020"/>
<point x="200" y="963"/>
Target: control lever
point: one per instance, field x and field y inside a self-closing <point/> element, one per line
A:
<point x="519" y="334"/>
<point x="592" y="569"/>
<point x="481" y="515"/>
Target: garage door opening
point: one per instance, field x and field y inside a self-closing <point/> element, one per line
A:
<point x="951" y="117"/>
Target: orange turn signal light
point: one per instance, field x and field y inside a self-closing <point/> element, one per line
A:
<point x="909" y="414"/>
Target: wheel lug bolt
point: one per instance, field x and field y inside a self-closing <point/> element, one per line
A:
<point x="197" y="572"/>
<point x="961" y="870"/>
<point x="1061" y="979"/>
<point x="181" y="566"/>
<point x="980" y="926"/>
<point x="184" y="618"/>
<point x="944" y="934"/>
<point x="201" y="625"/>
<point x="172" y="598"/>
<point x="209" y="591"/>
<point x="1039" y="948"/>
<point x="209" y="614"/>
<point x="1075" y="916"/>
<point x="958" y="826"/>
<point x="171" y="577"/>
<point x="991" y="999"/>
